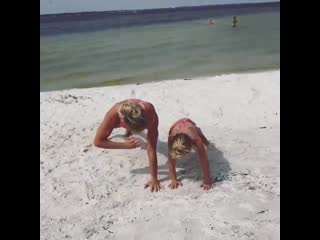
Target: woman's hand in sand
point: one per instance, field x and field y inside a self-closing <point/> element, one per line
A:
<point x="207" y="185"/>
<point x="133" y="142"/>
<point x="175" y="184"/>
<point x="154" y="185"/>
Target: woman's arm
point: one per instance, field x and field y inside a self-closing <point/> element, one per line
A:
<point x="152" y="139"/>
<point x="105" y="129"/>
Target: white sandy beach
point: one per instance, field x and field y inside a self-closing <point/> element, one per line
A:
<point x="91" y="193"/>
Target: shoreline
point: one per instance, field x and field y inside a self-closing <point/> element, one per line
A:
<point x="267" y="70"/>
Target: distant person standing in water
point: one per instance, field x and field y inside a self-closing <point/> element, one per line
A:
<point x="211" y="21"/>
<point x="234" y="22"/>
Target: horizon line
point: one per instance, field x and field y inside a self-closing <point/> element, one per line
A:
<point x="148" y="9"/>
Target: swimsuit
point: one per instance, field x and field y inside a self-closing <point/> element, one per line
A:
<point x="183" y="125"/>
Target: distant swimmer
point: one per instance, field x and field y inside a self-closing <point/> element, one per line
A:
<point x="211" y="21"/>
<point x="234" y="22"/>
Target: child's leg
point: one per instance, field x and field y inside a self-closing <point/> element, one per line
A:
<point x="204" y="139"/>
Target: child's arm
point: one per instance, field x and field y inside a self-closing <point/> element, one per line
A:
<point x="207" y="181"/>
<point x="175" y="183"/>
<point x="172" y="170"/>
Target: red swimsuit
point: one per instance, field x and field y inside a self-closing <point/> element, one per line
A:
<point x="183" y="125"/>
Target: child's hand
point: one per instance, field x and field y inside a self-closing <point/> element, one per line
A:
<point x="154" y="185"/>
<point x="175" y="184"/>
<point x="207" y="185"/>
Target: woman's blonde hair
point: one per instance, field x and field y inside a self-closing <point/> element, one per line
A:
<point x="134" y="117"/>
<point x="181" y="146"/>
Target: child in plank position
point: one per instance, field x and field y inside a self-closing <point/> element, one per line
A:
<point x="183" y="135"/>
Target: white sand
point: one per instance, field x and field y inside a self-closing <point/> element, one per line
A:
<point x="91" y="193"/>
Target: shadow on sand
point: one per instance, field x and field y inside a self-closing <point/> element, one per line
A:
<point x="190" y="168"/>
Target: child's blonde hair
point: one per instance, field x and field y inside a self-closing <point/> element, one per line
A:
<point x="134" y="117"/>
<point x="181" y="146"/>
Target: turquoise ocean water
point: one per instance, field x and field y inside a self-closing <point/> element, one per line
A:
<point x="153" y="52"/>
